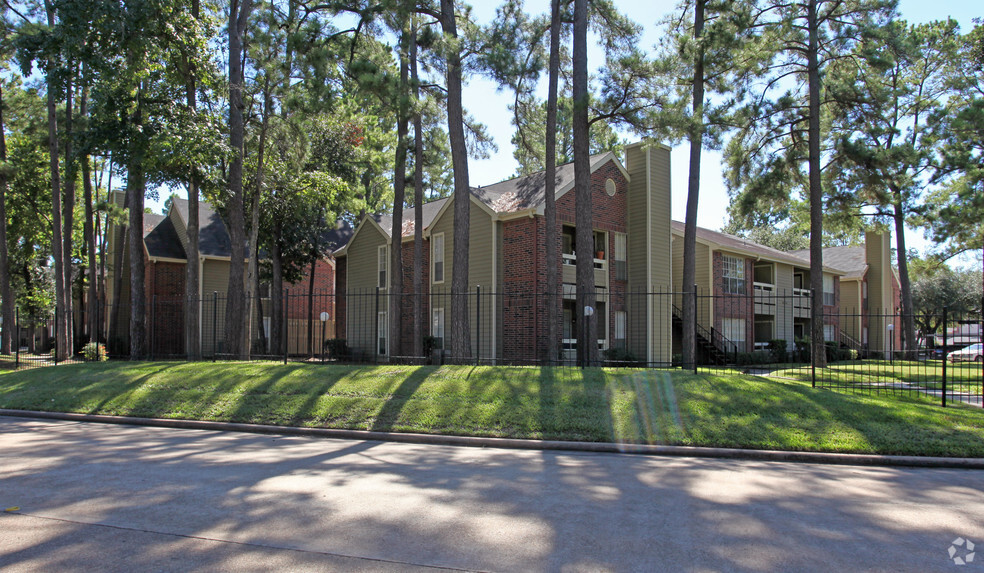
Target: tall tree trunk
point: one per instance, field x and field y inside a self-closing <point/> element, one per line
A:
<point x="135" y="188"/>
<point x="310" y="306"/>
<point x="551" y="246"/>
<point x="6" y="332"/>
<point x="90" y="237"/>
<point x="816" y="189"/>
<point x="102" y="223"/>
<point x="68" y="209"/>
<point x="193" y="303"/>
<point x="235" y="296"/>
<point x="61" y="346"/>
<point x="460" y="323"/>
<point x="253" y="297"/>
<point x="399" y="197"/>
<point x="696" y="136"/>
<point x="115" y="336"/>
<point x="901" y="254"/>
<point x="418" y="202"/>
<point x="276" y="298"/>
<point x="584" y="239"/>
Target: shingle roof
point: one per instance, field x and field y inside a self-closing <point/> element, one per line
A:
<point x="852" y="260"/>
<point x="428" y="212"/>
<point x="745" y="245"/>
<point x="509" y="196"/>
<point x="213" y="238"/>
<point x="527" y="191"/>
<point x="162" y="240"/>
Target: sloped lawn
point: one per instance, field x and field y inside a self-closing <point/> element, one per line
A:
<point x="630" y="406"/>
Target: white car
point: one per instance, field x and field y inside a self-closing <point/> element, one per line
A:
<point x="974" y="353"/>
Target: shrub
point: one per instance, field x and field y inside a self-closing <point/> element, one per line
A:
<point x="337" y="348"/>
<point x="430" y="344"/>
<point x="803" y="349"/>
<point x="620" y="357"/>
<point x="753" y="358"/>
<point x="777" y="350"/>
<point x="95" y="352"/>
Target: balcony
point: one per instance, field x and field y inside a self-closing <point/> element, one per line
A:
<point x="765" y="298"/>
<point x="801" y="303"/>
<point x="569" y="272"/>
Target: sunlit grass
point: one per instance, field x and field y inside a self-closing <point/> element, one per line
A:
<point x="724" y="408"/>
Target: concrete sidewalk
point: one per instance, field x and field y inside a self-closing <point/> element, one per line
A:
<point x="124" y="498"/>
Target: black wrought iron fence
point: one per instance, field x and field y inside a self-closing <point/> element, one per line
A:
<point x="767" y="333"/>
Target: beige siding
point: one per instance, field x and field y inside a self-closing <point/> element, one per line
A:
<point x="650" y="257"/>
<point x="361" y="282"/>
<point x="850" y="308"/>
<point x="181" y="229"/>
<point x="784" y="308"/>
<point x="480" y="268"/>
<point x="215" y="279"/>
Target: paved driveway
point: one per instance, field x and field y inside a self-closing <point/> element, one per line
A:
<point x="119" y="498"/>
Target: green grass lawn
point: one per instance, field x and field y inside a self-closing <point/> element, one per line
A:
<point x="630" y="406"/>
<point x="927" y="374"/>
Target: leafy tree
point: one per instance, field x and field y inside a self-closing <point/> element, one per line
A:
<point x="936" y="287"/>
<point x="886" y="145"/>
<point x="778" y="152"/>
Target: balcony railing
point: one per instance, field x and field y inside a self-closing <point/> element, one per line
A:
<point x="571" y="260"/>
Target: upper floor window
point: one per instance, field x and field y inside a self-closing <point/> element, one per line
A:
<point x="619" y="256"/>
<point x="734" y="275"/>
<point x="383" y="265"/>
<point x="437" y="246"/>
<point x="829" y="297"/>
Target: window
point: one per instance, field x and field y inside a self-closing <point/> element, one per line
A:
<point x="620" y="320"/>
<point x="437" y="246"/>
<point x="621" y="266"/>
<point x="734" y="275"/>
<point x="437" y="327"/>
<point x="600" y="245"/>
<point x="383" y="265"/>
<point x="830" y="332"/>
<point x="602" y="317"/>
<point x="733" y="329"/>
<point x="382" y="326"/>
<point x="829" y="297"/>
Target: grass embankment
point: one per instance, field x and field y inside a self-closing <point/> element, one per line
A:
<point x="962" y="376"/>
<point x="727" y="410"/>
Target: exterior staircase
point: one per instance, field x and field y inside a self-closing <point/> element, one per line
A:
<point x="712" y="348"/>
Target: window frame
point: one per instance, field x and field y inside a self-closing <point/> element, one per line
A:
<point x="435" y="323"/>
<point x="382" y="266"/>
<point x="435" y="260"/>
<point x="382" y="336"/>
<point x="733" y="284"/>
<point x="620" y="255"/>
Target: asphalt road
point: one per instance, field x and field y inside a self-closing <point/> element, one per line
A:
<point x="120" y="498"/>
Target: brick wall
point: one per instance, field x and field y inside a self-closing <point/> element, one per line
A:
<point x="734" y="305"/>
<point x="165" y="288"/>
<point x="341" y="276"/>
<point x="524" y="309"/>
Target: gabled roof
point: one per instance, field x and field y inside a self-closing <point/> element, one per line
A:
<point x="514" y="195"/>
<point x="527" y="191"/>
<point x="748" y="247"/>
<point x="213" y="237"/>
<point x="162" y="240"/>
<point x="852" y="260"/>
<point x="428" y="211"/>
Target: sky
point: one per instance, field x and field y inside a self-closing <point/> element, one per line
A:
<point x="490" y="106"/>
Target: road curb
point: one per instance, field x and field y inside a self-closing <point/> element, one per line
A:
<point x="519" y="444"/>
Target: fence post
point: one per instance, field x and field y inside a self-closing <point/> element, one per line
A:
<point x="943" y="393"/>
<point x="375" y="330"/>
<point x="478" y="324"/>
<point x="813" y="343"/>
<point x="283" y="327"/>
<point x="55" y="330"/>
<point x="694" y="328"/>
<point x="215" y="320"/>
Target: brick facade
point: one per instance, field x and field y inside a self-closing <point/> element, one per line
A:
<point x="524" y="312"/>
<point x="164" y="284"/>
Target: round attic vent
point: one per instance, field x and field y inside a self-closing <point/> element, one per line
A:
<point x="610" y="187"/>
